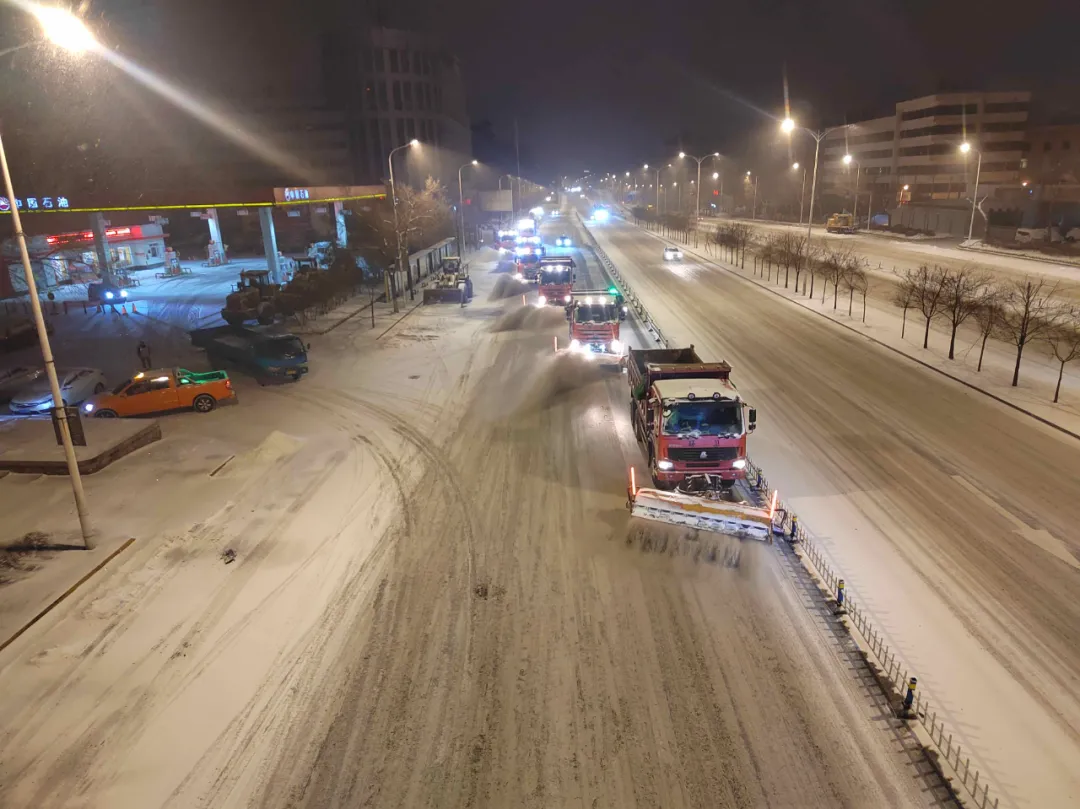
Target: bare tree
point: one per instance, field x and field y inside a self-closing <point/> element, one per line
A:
<point x="1029" y="312"/>
<point x="1064" y="341"/>
<point x="930" y="287"/>
<point x="988" y="318"/>
<point x="904" y="296"/>
<point x="800" y="255"/>
<point x="964" y="290"/>
<point x="856" y="280"/>
<point x="741" y="235"/>
<point x="833" y="266"/>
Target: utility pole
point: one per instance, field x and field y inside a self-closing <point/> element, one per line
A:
<point x="517" y="154"/>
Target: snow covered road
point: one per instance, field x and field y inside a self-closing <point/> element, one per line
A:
<point x="434" y="604"/>
<point x="954" y="518"/>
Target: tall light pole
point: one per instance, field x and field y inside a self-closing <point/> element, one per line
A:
<point x="699" y="160"/>
<point x="68" y="32"/>
<point x="461" y="206"/>
<point x="646" y="168"/>
<point x="789" y="126"/>
<point x="965" y="147"/>
<point x="397" y="228"/>
<point x="716" y="176"/>
<point x="848" y="160"/>
<point x="802" y="195"/>
<point x="753" y="213"/>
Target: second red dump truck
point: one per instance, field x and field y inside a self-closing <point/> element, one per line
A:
<point x="690" y="418"/>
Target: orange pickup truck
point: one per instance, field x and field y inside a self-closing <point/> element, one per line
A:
<point x="162" y="390"/>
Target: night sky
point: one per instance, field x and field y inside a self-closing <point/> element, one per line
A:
<point x="605" y="85"/>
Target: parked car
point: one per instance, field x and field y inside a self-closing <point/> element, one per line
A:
<point x="672" y="254"/>
<point x="163" y="390"/>
<point x="14" y="379"/>
<point x="76" y="385"/>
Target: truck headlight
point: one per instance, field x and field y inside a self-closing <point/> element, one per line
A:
<point x="541" y="300"/>
<point x="739" y="463"/>
<point x="665" y="465"/>
<point x="616" y="347"/>
<point x="89" y="408"/>
<point x="108" y="296"/>
<point x="123" y="293"/>
<point x="567" y="298"/>
<point x="575" y="345"/>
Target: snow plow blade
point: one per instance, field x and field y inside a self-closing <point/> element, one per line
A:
<point x="736" y="519"/>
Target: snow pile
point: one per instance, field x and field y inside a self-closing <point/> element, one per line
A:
<point x="533" y="318"/>
<point x="276" y="447"/>
<point x="704" y="547"/>
<point x="507" y="287"/>
<point x="558" y="375"/>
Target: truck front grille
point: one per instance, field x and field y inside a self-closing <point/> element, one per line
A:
<point x="711" y="454"/>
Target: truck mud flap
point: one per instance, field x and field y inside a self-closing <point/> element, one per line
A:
<point x="735" y="519"/>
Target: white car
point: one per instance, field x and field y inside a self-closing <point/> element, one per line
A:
<point x="564" y="241"/>
<point x="12" y="380"/>
<point x="672" y="254"/>
<point x="76" y="384"/>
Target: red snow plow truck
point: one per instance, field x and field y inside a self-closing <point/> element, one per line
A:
<point x="693" y="425"/>
<point x="555" y="279"/>
<point x="595" y="316"/>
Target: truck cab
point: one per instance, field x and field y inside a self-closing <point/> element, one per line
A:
<point x="555" y="279"/>
<point x="840" y="223"/>
<point x="595" y="318"/>
<point x="690" y="417"/>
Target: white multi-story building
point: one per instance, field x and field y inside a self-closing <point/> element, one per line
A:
<point x="915" y="155"/>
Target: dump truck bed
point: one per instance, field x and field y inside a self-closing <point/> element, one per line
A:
<point x="647" y="365"/>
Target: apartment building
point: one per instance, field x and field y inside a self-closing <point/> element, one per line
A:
<point x="914" y="155"/>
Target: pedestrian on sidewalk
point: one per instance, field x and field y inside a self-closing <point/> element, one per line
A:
<point x="144" y="355"/>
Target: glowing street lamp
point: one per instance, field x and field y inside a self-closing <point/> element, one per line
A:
<point x="461" y="206"/>
<point x="64" y="29"/>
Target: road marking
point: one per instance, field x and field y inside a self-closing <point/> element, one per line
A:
<point x="1036" y="536"/>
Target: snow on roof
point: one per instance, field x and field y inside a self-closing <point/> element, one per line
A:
<point x="700" y="388"/>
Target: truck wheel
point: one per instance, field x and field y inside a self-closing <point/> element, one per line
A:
<point x="105" y="414"/>
<point x="232" y="318"/>
<point x="265" y="313"/>
<point x="203" y="403"/>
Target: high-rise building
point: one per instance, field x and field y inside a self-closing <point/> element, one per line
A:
<point x="919" y="147"/>
<point x="395" y="86"/>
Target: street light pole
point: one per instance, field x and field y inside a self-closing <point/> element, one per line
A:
<point x="397" y="227"/>
<point x="699" y="160"/>
<point x="68" y="32"/>
<point x="789" y="126"/>
<point x="848" y="160"/>
<point x="802" y="194"/>
<point x="50" y="365"/>
<point x="965" y="148"/>
<point x="461" y="208"/>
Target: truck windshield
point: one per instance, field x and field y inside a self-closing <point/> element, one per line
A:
<point x="703" y="417"/>
<point x="596" y="313"/>
<point x="554" y="277"/>
<point x="287" y="349"/>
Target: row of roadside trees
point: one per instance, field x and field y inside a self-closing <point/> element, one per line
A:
<point x="1019" y="312"/>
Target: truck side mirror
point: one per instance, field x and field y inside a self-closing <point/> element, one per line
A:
<point x="753" y="419"/>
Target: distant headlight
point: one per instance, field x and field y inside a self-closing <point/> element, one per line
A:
<point x="665" y="465"/>
<point x="541" y="301"/>
<point x="739" y="463"/>
<point x="616" y="347"/>
<point x="519" y="277"/>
